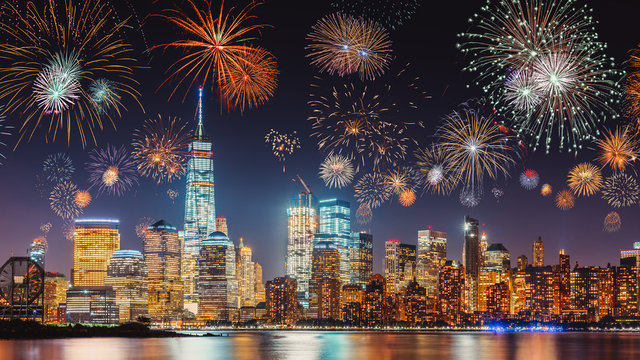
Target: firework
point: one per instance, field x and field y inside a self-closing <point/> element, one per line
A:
<point x="389" y="13"/>
<point x="160" y="148"/>
<point x="69" y="229"/>
<point x="342" y="44"/>
<point x="407" y="197"/>
<point x="172" y="194"/>
<point x="372" y="190"/>
<point x="612" y="222"/>
<point x="632" y="90"/>
<point x="58" y="168"/>
<point x="364" y="214"/>
<point x="104" y="95"/>
<point x="546" y="190"/>
<point x="475" y="148"/>
<point x="434" y="172"/>
<point x="585" y="179"/>
<point x="565" y="200"/>
<point x="112" y="170"/>
<point x="282" y="145"/>
<point x="5" y="130"/>
<point x="617" y="149"/>
<point x="143" y="224"/>
<point x="62" y="200"/>
<point x="336" y="171"/>
<point x="540" y="62"/>
<point x="252" y="81"/>
<point x="470" y="197"/>
<point x="497" y="193"/>
<point x="216" y="42"/>
<point x="621" y="190"/>
<point x="82" y="198"/>
<point x="45" y="228"/>
<point x="399" y="180"/>
<point x="56" y="51"/>
<point x="529" y="179"/>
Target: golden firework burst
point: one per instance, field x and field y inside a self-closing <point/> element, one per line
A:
<point x="585" y="179"/>
<point x="617" y="149"/>
<point x="565" y="200"/>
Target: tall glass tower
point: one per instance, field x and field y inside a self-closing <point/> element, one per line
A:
<point x="335" y="226"/>
<point x="200" y="206"/>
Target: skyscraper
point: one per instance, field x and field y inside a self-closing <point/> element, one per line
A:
<point x="335" y="226"/>
<point x="497" y="258"/>
<point x="217" y="283"/>
<point x="38" y="250"/>
<point x="221" y="225"/>
<point x="538" y="252"/>
<point x="245" y="272"/>
<point x="431" y="255"/>
<point x="302" y="229"/>
<point x="55" y="294"/>
<point x="472" y="260"/>
<point x="324" y="287"/>
<point x="259" y="285"/>
<point x="94" y="243"/>
<point x="199" y="210"/>
<point x="399" y="265"/>
<point x="361" y="258"/>
<point x="282" y="304"/>
<point x="451" y="286"/>
<point x="162" y="255"/>
<point x="127" y="274"/>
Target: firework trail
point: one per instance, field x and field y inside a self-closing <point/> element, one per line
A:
<point x="621" y="190"/>
<point x="62" y="200"/>
<point x="112" y="170"/>
<point x="336" y="171"/>
<point x="282" y="145"/>
<point x="585" y="179"/>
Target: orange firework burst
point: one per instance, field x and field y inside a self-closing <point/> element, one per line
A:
<point x="252" y="81"/>
<point x="218" y="48"/>
<point x="632" y="87"/>
<point x="565" y="200"/>
<point x="546" y="190"/>
<point x="585" y="179"/>
<point x="617" y="149"/>
<point x="82" y="198"/>
<point x="407" y="197"/>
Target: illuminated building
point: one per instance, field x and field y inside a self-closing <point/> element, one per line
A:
<point x="431" y="255"/>
<point x="487" y="278"/>
<point x="472" y="261"/>
<point x="246" y="274"/>
<point x="539" y="292"/>
<point x="259" y="285"/>
<point x="415" y="303"/>
<point x="399" y="265"/>
<point x="361" y="258"/>
<point x="592" y="291"/>
<point x="335" y="226"/>
<point x="217" y="283"/>
<point x="324" y="287"/>
<point x="91" y="305"/>
<point x="523" y="262"/>
<point x="302" y="229"/>
<point x="498" y="303"/>
<point x="374" y="308"/>
<point x="451" y="284"/>
<point x="497" y="258"/>
<point x="94" y="243"/>
<point x="406" y="264"/>
<point x="562" y="285"/>
<point x="221" y="225"/>
<point x="282" y="302"/>
<point x="626" y="288"/>
<point x="162" y="255"/>
<point x="55" y="294"/>
<point x="351" y="300"/>
<point x="200" y="205"/>
<point x="519" y="294"/>
<point x="127" y="274"/>
<point x="538" y="252"/>
<point x="38" y="250"/>
<point x="484" y="244"/>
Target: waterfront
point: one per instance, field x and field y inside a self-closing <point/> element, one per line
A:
<point x="312" y="345"/>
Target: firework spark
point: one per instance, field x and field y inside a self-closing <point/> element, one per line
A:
<point x="112" y="170"/>
<point x="62" y="200"/>
<point x="632" y="90"/>
<point x="399" y="180"/>
<point x="104" y="95"/>
<point x="434" y="172"/>
<point x="497" y="193"/>
<point x="143" y="224"/>
<point x="282" y="145"/>
<point x="612" y="222"/>
<point x="82" y="198"/>
<point x="529" y="179"/>
<point x="160" y="148"/>
<point x="372" y="190"/>
<point x="336" y="171"/>
<point x="252" y="81"/>
<point x="172" y="194"/>
<point x="565" y="200"/>
<point x="5" y="130"/>
<point x="470" y="197"/>
<point x="57" y="49"/>
<point x="342" y="44"/>
<point x="58" y="168"/>
<point x="617" y="149"/>
<point x="546" y="190"/>
<point x="585" y="179"/>
<point x="69" y="229"/>
<point x="389" y="13"/>
<point x="45" y="228"/>
<point x="621" y="190"/>
<point x="364" y="214"/>
<point x="407" y="197"/>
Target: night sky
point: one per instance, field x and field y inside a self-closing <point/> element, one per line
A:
<point x="253" y="192"/>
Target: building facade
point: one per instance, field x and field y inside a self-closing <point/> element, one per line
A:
<point x="361" y="258"/>
<point x="127" y="275"/>
<point x="94" y="243"/>
<point x="282" y="300"/>
<point x="38" y="250"/>
<point x="335" y="226"/>
<point x="246" y="274"/>
<point x="472" y="261"/>
<point x="431" y="255"/>
<point x="217" y="282"/>
<point x="325" y="284"/>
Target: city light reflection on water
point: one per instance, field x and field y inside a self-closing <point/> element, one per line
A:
<point x="309" y="345"/>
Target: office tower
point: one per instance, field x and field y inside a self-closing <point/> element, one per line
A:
<point x="390" y="264"/>
<point x="399" y="265"/>
<point x="539" y="292"/>
<point x="221" y="225"/>
<point x="523" y="262"/>
<point x="626" y="288"/>
<point x="259" y="285"/>
<point x="38" y="250"/>
<point x="484" y="244"/>
<point x="217" y="282"/>
<point x="563" y="284"/>
<point x="538" y="252"/>
<point x="431" y="255"/>
<point x="246" y="274"/>
<point x="324" y="287"/>
<point x="162" y="255"/>
<point x="497" y="258"/>
<point x="351" y="301"/>
<point x="335" y="226"/>
<point x="92" y="305"/>
<point x="498" y="300"/>
<point x="302" y="229"/>
<point x="451" y="284"/>
<point x="200" y="206"/>
<point x="472" y="261"/>
<point x="406" y="264"/>
<point x="361" y="258"/>
<point x="415" y="303"/>
<point x="282" y="300"/>
<point x="487" y="279"/>
<point x="374" y="309"/>
<point x="94" y="243"/>
<point x="127" y="275"/>
<point x="55" y="294"/>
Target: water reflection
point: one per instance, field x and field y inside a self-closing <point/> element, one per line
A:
<point x="308" y="345"/>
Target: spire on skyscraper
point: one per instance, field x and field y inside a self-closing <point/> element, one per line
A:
<point x="199" y="130"/>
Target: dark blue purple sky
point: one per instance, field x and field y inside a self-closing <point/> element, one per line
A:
<point x="253" y="192"/>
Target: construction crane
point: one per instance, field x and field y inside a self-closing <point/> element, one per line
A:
<point x="307" y="188"/>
